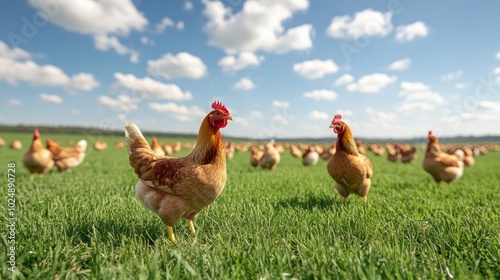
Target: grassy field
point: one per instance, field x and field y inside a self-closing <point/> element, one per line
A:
<point x="289" y="223"/>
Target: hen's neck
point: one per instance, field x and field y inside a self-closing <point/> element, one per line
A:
<point x="345" y="142"/>
<point x="208" y="144"/>
<point x="37" y="145"/>
<point x="433" y="148"/>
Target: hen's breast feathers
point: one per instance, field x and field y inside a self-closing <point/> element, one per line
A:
<point x="349" y="170"/>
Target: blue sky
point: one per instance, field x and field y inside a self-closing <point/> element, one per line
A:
<point x="284" y="68"/>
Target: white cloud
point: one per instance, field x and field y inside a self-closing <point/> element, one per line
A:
<point x="146" y="41"/>
<point x="50" y="98"/>
<point x="257" y="114"/>
<point x="498" y="55"/>
<point x="461" y="85"/>
<point x="14" y="102"/>
<point x="188" y="6"/>
<point x="93" y="17"/>
<point x="28" y="71"/>
<point x="281" y="120"/>
<point x="496" y="71"/>
<point x="83" y="82"/>
<point x="167" y="22"/>
<point x="411" y="87"/>
<point x="321" y="94"/>
<point x="123" y="102"/>
<point x="180" y="112"/>
<point x="343" y="80"/>
<point x="13" y="71"/>
<point x="418" y="96"/>
<point x="149" y="88"/>
<point x="244" y="84"/>
<point x="317" y="115"/>
<point x="409" y="106"/>
<point x="257" y="26"/>
<point x="13" y="54"/>
<point x="407" y="33"/>
<point x="485" y="111"/>
<point x="281" y="104"/>
<point x="104" y="42"/>
<point x="232" y="63"/>
<point x="452" y="75"/>
<point x="181" y="65"/>
<point x="372" y="83"/>
<point x="400" y="65"/>
<point x="315" y="69"/>
<point x="380" y="116"/>
<point x="344" y="112"/>
<point x="365" y="23"/>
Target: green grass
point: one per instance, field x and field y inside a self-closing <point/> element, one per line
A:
<point x="289" y="223"/>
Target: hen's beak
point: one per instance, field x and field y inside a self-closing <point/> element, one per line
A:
<point x="331" y="126"/>
<point x="228" y="117"/>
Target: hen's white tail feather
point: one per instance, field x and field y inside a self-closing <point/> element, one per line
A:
<point x="132" y="132"/>
<point x="82" y="144"/>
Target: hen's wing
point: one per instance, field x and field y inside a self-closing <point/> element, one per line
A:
<point x="448" y="160"/>
<point x="368" y="165"/>
<point x="161" y="172"/>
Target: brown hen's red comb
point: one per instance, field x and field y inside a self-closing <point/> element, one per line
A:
<point x="430" y="133"/>
<point x="336" y="118"/>
<point x="220" y="106"/>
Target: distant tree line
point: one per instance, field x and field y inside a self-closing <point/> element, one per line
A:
<point x="80" y="130"/>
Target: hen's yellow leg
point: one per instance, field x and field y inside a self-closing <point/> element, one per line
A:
<point x="171" y="233"/>
<point x="365" y="198"/>
<point x="190" y="226"/>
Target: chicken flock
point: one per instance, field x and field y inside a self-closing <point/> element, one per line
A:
<point x="176" y="188"/>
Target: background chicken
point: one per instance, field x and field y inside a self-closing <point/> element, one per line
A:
<point x="16" y="145"/>
<point x="67" y="158"/>
<point x="271" y="156"/>
<point x="392" y="153"/>
<point x="350" y="170"/>
<point x="310" y="156"/>
<point x="255" y="156"/>
<point x="100" y="145"/>
<point x="441" y="166"/>
<point x="361" y="147"/>
<point x="407" y="152"/>
<point x="295" y="151"/>
<point x="181" y="187"/>
<point x="119" y="145"/>
<point x="230" y="148"/>
<point x="157" y="147"/>
<point x="37" y="159"/>
<point x="328" y="153"/>
<point x="468" y="156"/>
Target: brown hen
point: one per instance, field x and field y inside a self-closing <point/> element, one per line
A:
<point x="351" y="171"/>
<point x="176" y="188"/>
